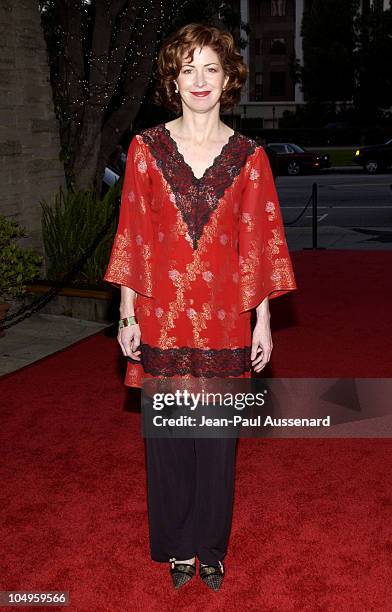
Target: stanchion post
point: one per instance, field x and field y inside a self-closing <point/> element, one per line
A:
<point x="314" y="246"/>
<point x="314" y="216"/>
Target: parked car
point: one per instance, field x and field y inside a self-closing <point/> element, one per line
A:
<point x="337" y="125"/>
<point x="374" y="158"/>
<point x="114" y="170"/>
<point x="292" y="159"/>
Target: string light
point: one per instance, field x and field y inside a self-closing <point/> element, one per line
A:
<point x="103" y="82"/>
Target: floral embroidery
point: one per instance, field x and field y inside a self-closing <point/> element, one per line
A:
<point x="196" y="362"/>
<point x="142" y="165"/>
<point x="270" y="208"/>
<point x="254" y="174"/>
<point x="173" y="274"/>
<point x="247" y="219"/>
<point x="119" y="267"/>
<point x="213" y="257"/>
<point x="282" y="273"/>
<point x="199" y="324"/>
<point x="197" y="198"/>
<point x="274" y="243"/>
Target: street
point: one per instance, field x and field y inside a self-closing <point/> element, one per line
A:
<point x="350" y="199"/>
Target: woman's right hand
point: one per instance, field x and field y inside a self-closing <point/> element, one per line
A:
<point x="129" y="340"/>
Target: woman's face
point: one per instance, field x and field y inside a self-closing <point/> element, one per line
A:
<point x="201" y="80"/>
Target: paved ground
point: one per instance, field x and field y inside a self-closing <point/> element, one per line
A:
<point x="43" y="334"/>
<point x="346" y="200"/>
<point x="354" y="210"/>
<point x="332" y="237"/>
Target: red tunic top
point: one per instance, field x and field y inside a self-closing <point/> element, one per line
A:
<point x="200" y="253"/>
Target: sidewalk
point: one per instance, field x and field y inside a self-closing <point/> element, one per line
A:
<point x="43" y="334"/>
<point x="344" y="169"/>
<point x="39" y="336"/>
<point x="333" y="237"/>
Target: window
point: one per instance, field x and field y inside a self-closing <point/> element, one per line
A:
<point x="280" y="149"/>
<point x="377" y="5"/>
<point x="296" y="148"/>
<point x="278" y="8"/>
<point x="277" y="84"/>
<point x="258" y="86"/>
<point x="278" y="46"/>
<point x="257" y="46"/>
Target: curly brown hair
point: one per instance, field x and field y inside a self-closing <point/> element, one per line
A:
<point x="184" y="41"/>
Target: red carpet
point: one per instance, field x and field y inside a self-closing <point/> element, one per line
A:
<point x="312" y="518"/>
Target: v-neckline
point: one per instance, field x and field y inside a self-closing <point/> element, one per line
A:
<point x="215" y="161"/>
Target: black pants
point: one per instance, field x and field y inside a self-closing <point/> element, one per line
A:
<point x="190" y="486"/>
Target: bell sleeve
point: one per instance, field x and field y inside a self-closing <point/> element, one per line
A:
<point x="265" y="267"/>
<point x="132" y="257"/>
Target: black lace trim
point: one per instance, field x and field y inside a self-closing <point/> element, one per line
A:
<point x="194" y="361"/>
<point x="197" y="198"/>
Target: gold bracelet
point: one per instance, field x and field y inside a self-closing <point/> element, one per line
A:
<point x="127" y="321"/>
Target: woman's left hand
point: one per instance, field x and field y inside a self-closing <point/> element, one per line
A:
<point x="261" y="344"/>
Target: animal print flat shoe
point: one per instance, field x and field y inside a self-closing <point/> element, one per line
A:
<point x="212" y="575"/>
<point x="181" y="573"/>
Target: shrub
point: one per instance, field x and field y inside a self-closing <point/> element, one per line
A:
<point x="18" y="266"/>
<point x="70" y="226"/>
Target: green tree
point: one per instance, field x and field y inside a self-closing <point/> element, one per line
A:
<point x="101" y="55"/>
<point x="328" y="46"/>
<point x="373" y="66"/>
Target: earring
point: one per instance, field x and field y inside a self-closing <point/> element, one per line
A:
<point x="176" y="89"/>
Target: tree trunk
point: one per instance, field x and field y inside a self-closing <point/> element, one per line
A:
<point x="87" y="151"/>
<point x="122" y="55"/>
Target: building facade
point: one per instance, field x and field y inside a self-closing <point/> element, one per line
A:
<point x="29" y="142"/>
<point x="274" y="47"/>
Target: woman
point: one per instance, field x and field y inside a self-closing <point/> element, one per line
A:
<point x="200" y="243"/>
